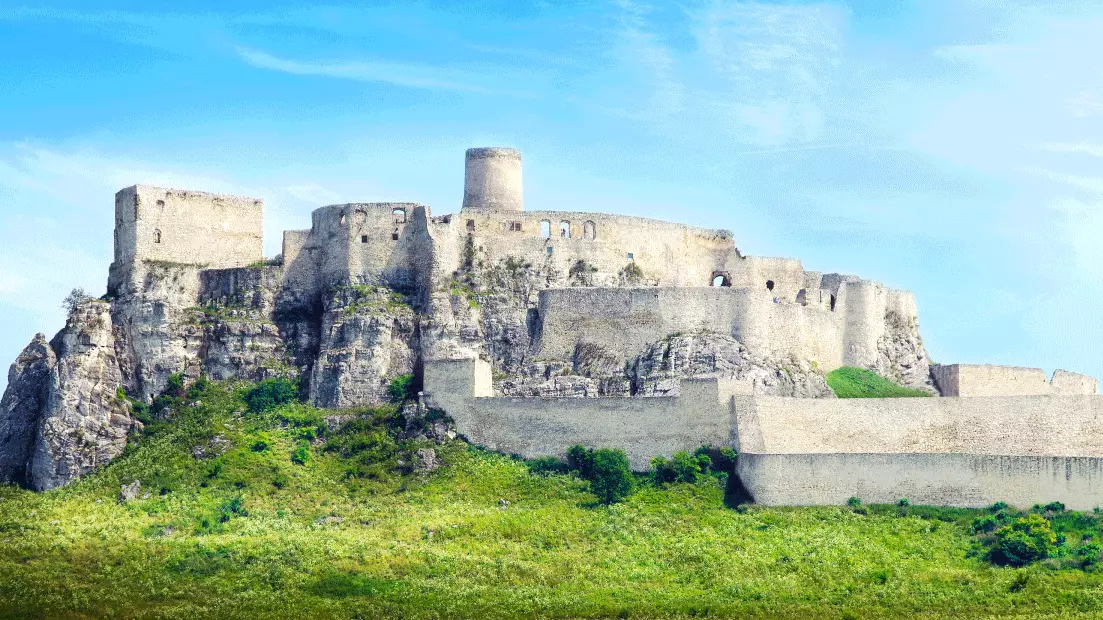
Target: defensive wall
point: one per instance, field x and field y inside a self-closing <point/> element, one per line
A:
<point x="533" y="427"/>
<point x="943" y="451"/>
<point x="833" y="330"/>
<point x="989" y="380"/>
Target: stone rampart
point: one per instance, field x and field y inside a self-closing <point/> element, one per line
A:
<point x="535" y="427"/>
<point x="989" y="380"/>
<point x="966" y="480"/>
<point x="1008" y="425"/>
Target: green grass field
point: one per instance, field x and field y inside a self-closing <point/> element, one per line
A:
<point x="851" y="382"/>
<point x="347" y="534"/>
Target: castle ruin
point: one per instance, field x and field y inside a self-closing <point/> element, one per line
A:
<point x="536" y="330"/>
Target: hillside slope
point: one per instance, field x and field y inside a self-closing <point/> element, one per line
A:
<point x="267" y="511"/>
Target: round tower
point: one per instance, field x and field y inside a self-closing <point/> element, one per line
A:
<point x="492" y="180"/>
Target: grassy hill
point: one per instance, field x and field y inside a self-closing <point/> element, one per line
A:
<point x="293" y="520"/>
<point x="851" y="382"/>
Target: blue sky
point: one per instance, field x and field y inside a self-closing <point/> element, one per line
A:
<point x="950" y="147"/>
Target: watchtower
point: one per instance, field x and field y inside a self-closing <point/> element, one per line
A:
<point x="492" y="180"/>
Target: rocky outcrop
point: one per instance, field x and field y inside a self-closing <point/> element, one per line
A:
<point x="901" y="355"/>
<point x="658" y="371"/>
<point x="369" y="337"/>
<point x="22" y="407"/>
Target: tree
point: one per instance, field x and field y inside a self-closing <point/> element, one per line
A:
<point x="611" y="475"/>
<point x="1027" y="540"/>
<point x="75" y="298"/>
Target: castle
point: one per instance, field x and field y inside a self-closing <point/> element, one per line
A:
<point x="534" y="331"/>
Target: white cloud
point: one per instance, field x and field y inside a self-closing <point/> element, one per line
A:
<point x="313" y="193"/>
<point x="398" y="74"/>
<point x="1095" y="150"/>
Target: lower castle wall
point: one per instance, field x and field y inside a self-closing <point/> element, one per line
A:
<point x="991" y="380"/>
<point x="535" y="427"/>
<point x="966" y="480"/>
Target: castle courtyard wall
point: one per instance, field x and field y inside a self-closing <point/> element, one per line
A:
<point x="990" y="380"/>
<point x="965" y="480"/>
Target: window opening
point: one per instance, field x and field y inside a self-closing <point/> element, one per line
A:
<point x="769" y="285"/>
<point x="545" y="229"/>
<point x="589" y="231"/>
<point x="157" y="236"/>
<point x="399" y="215"/>
<point x="565" y="229"/>
<point x="470" y="225"/>
<point x="363" y="238"/>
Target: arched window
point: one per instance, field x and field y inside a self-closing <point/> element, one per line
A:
<point x="157" y="236"/>
<point x="589" y="231"/>
<point x="565" y="229"/>
<point x="802" y="297"/>
<point x="769" y="285"/>
<point x="470" y="226"/>
<point x="399" y="215"/>
<point x="545" y="229"/>
<point x="721" y="279"/>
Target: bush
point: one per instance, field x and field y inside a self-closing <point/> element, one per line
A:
<point x="1088" y="552"/>
<point x="854" y="502"/>
<point x="580" y="459"/>
<point x="547" y="465"/>
<point x="1028" y="539"/>
<point x="301" y="455"/>
<point x="612" y="478"/>
<point x="722" y="459"/>
<point x="903" y="503"/>
<point x="74" y="299"/>
<point x="682" y="467"/>
<point x="271" y="393"/>
<point x="401" y="388"/>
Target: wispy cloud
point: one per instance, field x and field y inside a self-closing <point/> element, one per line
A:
<point x="313" y="193"/>
<point x="1086" y="148"/>
<point x="398" y="74"/>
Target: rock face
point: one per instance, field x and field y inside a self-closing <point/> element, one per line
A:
<point x="901" y="355"/>
<point x="22" y="407"/>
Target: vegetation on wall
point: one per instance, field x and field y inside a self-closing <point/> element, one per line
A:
<point x="851" y="382"/>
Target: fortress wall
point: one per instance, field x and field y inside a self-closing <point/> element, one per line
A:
<point x="247" y="287"/>
<point x="625" y="320"/>
<point x="1009" y="425"/>
<point x="359" y="240"/>
<point x="534" y="427"/>
<point x="178" y="226"/>
<point x="411" y="264"/>
<point x="668" y="254"/>
<point x="757" y="272"/>
<point x="301" y="263"/>
<point x="969" y="380"/>
<point x="967" y="480"/>
<point x="1065" y="382"/>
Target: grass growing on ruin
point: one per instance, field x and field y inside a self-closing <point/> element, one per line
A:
<point x="274" y="515"/>
<point x="851" y="382"/>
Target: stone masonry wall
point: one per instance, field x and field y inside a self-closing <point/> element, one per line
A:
<point x="989" y="380"/>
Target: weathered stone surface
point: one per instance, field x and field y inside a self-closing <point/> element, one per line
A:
<point x="901" y="355"/>
<point x="84" y="424"/>
<point x="130" y="492"/>
<point x="21" y="408"/>
<point x="368" y="338"/>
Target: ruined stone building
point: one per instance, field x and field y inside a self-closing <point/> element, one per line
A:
<point x="535" y="330"/>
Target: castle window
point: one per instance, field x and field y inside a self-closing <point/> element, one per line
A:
<point x="470" y="225"/>
<point x="769" y="285"/>
<point x="399" y="215"/>
<point x="363" y="238"/>
<point x="589" y="231"/>
<point x="545" y="229"/>
<point x="802" y="297"/>
<point x="549" y="249"/>
<point x="157" y="236"/>
<point x="631" y="256"/>
<point x="161" y="203"/>
<point x="721" y="279"/>
<point x="515" y="226"/>
<point x="394" y="235"/>
<point x="565" y="229"/>
<point x="342" y="219"/>
<point x="832" y="303"/>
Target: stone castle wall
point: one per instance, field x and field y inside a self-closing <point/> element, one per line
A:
<point x="988" y="380"/>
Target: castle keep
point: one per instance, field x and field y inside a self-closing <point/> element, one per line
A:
<point x="536" y="330"/>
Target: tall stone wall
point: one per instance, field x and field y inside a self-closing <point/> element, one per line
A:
<point x="534" y="427"/>
<point x="989" y="380"/>
<point x="1004" y="425"/>
<point x="833" y="330"/>
<point x="966" y="480"/>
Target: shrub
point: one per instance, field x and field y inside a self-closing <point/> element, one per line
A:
<point x="854" y="502"/>
<point x="1054" y="507"/>
<point x="231" y="508"/>
<point x="722" y="459"/>
<point x="401" y="388"/>
<point x="998" y="507"/>
<point x="74" y="299"/>
<point x="611" y="475"/>
<point x="547" y="465"/>
<point x="271" y="393"/>
<point x="986" y="524"/>
<point x="301" y="455"/>
<point x="1028" y="539"/>
<point x="903" y="503"/>
<point x="580" y="459"/>
<point x="1088" y="551"/>
<point x="632" y="272"/>
<point x="682" y="467"/>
